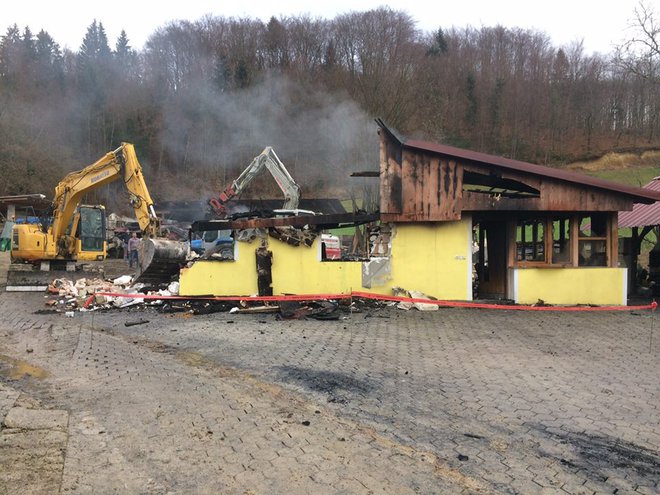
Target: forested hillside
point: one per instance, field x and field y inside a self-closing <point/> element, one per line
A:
<point x="202" y="98"/>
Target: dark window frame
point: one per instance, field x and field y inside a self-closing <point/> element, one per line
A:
<point x="607" y="259"/>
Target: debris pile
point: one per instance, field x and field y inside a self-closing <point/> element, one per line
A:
<point x="91" y="294"/>
<point x="317" y="310"/>
<point x="66" y="296"/>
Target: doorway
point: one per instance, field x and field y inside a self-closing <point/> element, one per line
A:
<point x="490" y="259"/>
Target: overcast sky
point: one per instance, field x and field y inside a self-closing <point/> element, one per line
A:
<point x="599" y="24"/>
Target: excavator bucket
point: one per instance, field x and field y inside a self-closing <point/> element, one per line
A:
<point x="159" y="260"/>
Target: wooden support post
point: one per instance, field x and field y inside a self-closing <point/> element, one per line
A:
<point x="575" y="245"/>
<point x="614" y="240"/>
<point x="634" y="259"/>
<point x="264" y="272"/>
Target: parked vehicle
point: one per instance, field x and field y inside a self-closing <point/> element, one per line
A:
<point x="214" y="242"/>
<point x="330" y="247"/>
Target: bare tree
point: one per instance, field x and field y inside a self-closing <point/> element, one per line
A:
<point x="639" y="57"/>
<point x="381" y="54"/>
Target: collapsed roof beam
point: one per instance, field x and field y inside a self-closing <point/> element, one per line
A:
<point x="321" y="221"/>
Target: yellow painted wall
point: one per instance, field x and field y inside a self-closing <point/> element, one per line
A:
<point x="221" y="278"/>
<point x="600" y="286"/>
<point x="431" y="258"/>
<point x="295" y="270"/>
<point x="298" y="270"/>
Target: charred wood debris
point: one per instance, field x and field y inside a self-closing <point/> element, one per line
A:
<point x="85" y="295"/>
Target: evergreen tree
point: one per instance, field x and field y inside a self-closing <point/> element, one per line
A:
<point x="93" y="58"/>
<point x="439" y="44"/>
<point x="122" y="47"/>
<point x="9" y="53"/>
<point x="49" y="62"/>
<point x="125" y="58"/>
<point x="94" y="76"/>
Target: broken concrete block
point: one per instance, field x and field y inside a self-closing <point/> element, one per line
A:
<point x="123" y="280"/>
<point x="37" y="419"/>
<point x="423" y="306"/>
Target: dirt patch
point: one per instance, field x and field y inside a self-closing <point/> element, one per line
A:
<point x="18" y="369"/>
<point x="4" y="266"/>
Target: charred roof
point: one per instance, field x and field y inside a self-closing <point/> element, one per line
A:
<point x="637" y="194"/>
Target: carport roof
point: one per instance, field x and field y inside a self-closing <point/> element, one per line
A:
<point x="643" y="215"/>
<point x="36" y="201"/>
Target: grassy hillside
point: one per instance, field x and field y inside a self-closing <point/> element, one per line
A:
<point x="635" y="177"/>
<point x="635" y="169"/>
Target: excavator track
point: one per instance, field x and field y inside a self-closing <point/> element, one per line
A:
<point x="29" y="277"/>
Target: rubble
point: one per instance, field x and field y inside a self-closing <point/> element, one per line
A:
<point x="66" y="297"/>
<point x="414" y="294"/>
<point x="259" y="309"/>
<point x="123" y="280"/>
<point x="70" y="296"/>
<point x="134" y="323"/>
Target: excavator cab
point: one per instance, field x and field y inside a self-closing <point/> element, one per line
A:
<point x="90" y="234"/>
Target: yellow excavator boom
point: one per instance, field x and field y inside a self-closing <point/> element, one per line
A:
<point x="120" y="163"/>
<point x="62" y="239"/>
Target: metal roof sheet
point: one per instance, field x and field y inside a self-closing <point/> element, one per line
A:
<point x="639" y="195"/>
<point x="643" y="215"/>
<point x="189" y="211"/>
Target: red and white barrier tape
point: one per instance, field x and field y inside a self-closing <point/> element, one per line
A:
<point x="378" y="297"/>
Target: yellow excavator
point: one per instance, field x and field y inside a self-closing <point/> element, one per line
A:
<point x="76" y="233"/>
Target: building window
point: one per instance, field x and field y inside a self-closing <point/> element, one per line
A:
<point x="563" y="240"/>
<point x="592" y="240"/>
<point x="530" y="240"/>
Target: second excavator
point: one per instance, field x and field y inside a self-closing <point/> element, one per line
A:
<point x="266" y="159"/>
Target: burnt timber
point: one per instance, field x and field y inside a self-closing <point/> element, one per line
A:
<point x="430" y="182"/>
<point x="300" y="221"/>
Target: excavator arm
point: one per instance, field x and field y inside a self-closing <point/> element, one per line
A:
<point x="120" y="163"/>
<point x="266" y="159"/>
<point x="284" y="180"/>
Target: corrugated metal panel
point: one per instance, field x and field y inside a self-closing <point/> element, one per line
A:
<point x="640" y="195"/>
<point x="643" y="215"/>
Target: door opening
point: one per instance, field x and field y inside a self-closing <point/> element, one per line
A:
<point x="490" y="259"/>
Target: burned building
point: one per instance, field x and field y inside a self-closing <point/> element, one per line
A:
<point x="449" y="217"/>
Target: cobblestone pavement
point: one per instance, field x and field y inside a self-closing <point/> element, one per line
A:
<point x="384" y="401"/>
